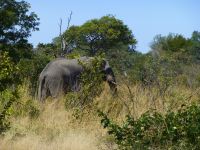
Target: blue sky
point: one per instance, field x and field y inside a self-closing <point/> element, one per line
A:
<point x="146" y="18"/>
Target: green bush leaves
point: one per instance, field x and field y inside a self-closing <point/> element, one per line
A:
<point x="153" y="130"/>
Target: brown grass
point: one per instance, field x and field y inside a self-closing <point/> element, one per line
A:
<point x="57" y="129"/>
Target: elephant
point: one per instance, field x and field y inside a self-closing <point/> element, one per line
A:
<point x="63" y="75"/>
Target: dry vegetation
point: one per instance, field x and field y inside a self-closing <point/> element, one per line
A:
<point x="58" y="128"/>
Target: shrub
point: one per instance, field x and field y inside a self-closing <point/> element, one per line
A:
<point x="6" y="110"/>
<point x="174" y="130"/>
<point x="8" y="71"/>
<point x="7" y="96"/>
<point x="91" y="84"/>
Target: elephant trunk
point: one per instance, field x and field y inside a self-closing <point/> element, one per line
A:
<point x="110" y="78"/>
<point x="112" y="83"/>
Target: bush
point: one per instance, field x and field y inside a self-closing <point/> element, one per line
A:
<point x="5" y="112"/>
<point x="174" y="130"/>
<point x="8" y="73"/>
<point x="91" y="84"/>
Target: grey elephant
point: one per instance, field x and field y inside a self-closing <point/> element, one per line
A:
<point x="62" y="75"/>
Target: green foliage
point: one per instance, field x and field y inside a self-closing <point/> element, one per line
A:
<point x="150" y="71"/>
<point x="153" y="130"/>
<point x="26" y="108"/>
<point x="32" y="109"/>
<point x="161" y="72"/>
<point x="91" y="84"/>
<point x="170" y="43"/>
<point x="15" y="27"/>
<point x="5" y="110"/>
<point x="195" y="49"/>
<point x="173" y="60"/>
<point x="122" y="59"/>
<point x="177" y="47"/>
<point x="49" y="50"/>
<point x="10" y="77"/>
<point x="11" y="105"/>
<point x="176" y="58"/>
<point x="8" y="71"/>
<point x="7" y="97"/>
<point x="73" y="55"/>
<point x="16" y="23"/>
<point x="99" y="35"/>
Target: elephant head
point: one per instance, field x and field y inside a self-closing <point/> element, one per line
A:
<point x="109" y="76"/>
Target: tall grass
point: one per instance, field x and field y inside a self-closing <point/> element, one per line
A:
<point x="56" y="127"/>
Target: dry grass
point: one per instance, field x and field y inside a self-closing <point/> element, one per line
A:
<point x="57" y="129"/>
<point x="136" y="100"/>
<point x="54" y="129"/>
<point x="71" y="141"/>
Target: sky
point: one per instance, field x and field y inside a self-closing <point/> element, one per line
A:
<point x="145" y="18"/>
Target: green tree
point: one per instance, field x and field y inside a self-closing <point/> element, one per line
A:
<point x="123" y="61"/>
<point x="170" y="43"/>
<point x="16" y="24"/>
<point x="49" y="49"/>
<point x="99" y="35"/>
<point x="195" y="49"/>
<point x="196" y="36"/>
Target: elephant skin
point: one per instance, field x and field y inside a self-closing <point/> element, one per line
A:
<point x="62" y="75"/>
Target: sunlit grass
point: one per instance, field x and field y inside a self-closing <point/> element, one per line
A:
<point x="58" y="128"/>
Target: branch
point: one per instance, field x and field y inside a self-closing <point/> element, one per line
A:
<point x="64" y="44"/>
<point x="60" y="35"/>
<point x="69" y="20"/>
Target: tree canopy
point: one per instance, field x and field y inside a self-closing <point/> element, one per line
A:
<point x="170" y="43"/>
<point x="177" y="46"/>
<point x="16" y="24"/>
<point x="99" y="35"/>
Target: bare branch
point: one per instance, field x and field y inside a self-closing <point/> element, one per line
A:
<point x="66" y="48"/>
<point x="63" y="44"/>
<point x="60" y="35"/>
<point x="69" y="19"/>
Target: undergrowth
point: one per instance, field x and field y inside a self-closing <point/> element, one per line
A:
<point x="153" y="130"/>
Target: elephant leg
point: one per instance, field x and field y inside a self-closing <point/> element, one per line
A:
<point x="71" y="84"/>
<point x="76" y="87"/>
<point x="42" y="92"/>
<point x="75" y="84"/>
<point x="55" y="87"/>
